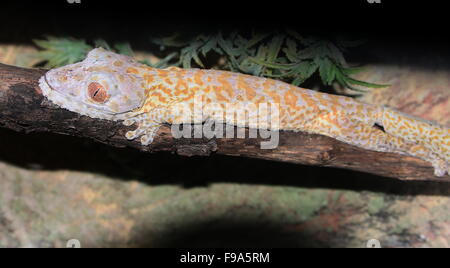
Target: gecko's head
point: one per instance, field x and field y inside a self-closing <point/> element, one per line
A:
<point x="104" y="85"/>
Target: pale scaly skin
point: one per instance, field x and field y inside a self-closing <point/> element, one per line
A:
<point x="115" y="87"/>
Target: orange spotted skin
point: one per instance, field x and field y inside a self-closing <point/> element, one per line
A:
<point x="343" y="118"/>
<point x="301" y="109"/>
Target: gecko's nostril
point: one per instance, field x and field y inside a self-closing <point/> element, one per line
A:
<point x="380" y="127"/>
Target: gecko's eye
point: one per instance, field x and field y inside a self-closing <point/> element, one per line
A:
<point x="97" y="92"/>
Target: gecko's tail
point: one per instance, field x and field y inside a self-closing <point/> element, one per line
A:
<point x="432" y="136"/>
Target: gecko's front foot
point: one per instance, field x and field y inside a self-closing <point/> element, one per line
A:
<point x="146" y="135"/>
<point x="146" y="130"/>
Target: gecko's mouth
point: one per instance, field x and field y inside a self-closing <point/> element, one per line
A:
<point x="46" y="81"/>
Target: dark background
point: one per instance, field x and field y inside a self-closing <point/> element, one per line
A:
<point x="394" y="21"/>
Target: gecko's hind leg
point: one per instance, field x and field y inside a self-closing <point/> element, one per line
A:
<point x="361" y="134"/>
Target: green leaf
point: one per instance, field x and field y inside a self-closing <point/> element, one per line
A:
<point x="274" y="48"/>
<point x="354" y="70"/>
<point x="271" y="64"/>
<point x="291" y="50"/>
<point x="326" y="72"/>
<point x="297" y="81"/>
<point x="256" y="38"/>
<point x="61" y="51"/>
<point x="208" y="46"/>
<point x="190" y="53"/>
<point x="227" y="46"/>
<point x="362" y="83"/>
<point x="124" y="49"/>
<point x="169" y="41"/>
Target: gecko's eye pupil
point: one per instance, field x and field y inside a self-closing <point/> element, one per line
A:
<point x="97" y="92"/>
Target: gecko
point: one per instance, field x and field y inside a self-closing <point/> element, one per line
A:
<point x="116" y="87"/>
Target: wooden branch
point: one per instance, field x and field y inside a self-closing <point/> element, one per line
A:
<point x="23" y="108"/>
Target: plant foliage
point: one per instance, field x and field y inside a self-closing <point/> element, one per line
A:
<point x="286" y="56"/>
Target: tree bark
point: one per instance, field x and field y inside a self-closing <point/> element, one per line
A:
<point x="24" y="108"/>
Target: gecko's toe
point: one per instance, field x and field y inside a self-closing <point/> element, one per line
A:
<point x="129" y="122"/>
<point x="131" y="135"/>
<point x="441" y="168"/>
<point x="146" y="140"/>
<point x="149" y="135"/>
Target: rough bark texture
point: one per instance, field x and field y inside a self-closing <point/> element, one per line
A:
<point x="23" y="108"/>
